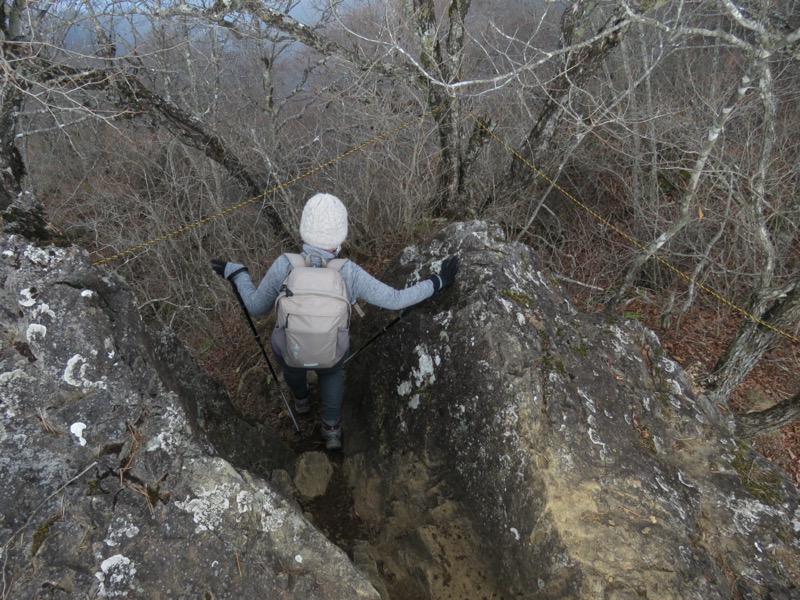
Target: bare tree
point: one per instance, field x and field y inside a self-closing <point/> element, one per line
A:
<point x="218" y="103"/>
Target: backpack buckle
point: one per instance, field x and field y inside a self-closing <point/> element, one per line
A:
<point x="316" y="260"/>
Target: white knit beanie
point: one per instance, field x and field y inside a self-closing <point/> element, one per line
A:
<point x="324" y="222"/>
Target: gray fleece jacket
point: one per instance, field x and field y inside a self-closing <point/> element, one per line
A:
<point x="360" y="285"/>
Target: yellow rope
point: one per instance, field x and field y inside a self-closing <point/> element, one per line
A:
<point x="633" y="240"/>
<point x="230" y="209"/>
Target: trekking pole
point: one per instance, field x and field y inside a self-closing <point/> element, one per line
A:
<point x="386" y="328"/>
<point x="264" y="354"/>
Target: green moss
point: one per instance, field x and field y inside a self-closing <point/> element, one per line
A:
<point x="582" y="349"/>
<point x="521" y="298"/>
<point x="764" y="484"/>
<point x="94" y="488"/>
<point x="523" y="258"/>
<point x="560" y="368"/>
<point x="41" y="533"/>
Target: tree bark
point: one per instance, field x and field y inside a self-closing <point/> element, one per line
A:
<point x="447" y="68"/>
<point x="12" y="166"/>
<point x="749" y="425"/>
<point x="777" y="310"/>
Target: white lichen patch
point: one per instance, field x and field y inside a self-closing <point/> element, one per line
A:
<point x="116" y="577"/>
<point x="414" y="402"/>
<point x="424" y="373"/>
<point x="590" y="405"/>
<point x="272" y="516"/>
<point x="10" y="376"/>
<point x="668" y="366"/>
<point x="507" y="305"/>
<point x="42" y="256"/>
<point x="748" y="512"/>
<point x="621" y="341"/>
<point x="563" y="461"/>
<point x="121" y="528"/>
<point x="75" y="374"/>
<point x="673" y="500"/>
<point x="409" y="255"/>
<point x="443" y="319"/>
<point x="27" y="298"/>
<point x="111" y="350"/>
<point x="35" y="332"/>
<point x="77" y="430"/>
<point x="176" y="432"/>
<point x="43" y="309"/>
<point x="595" y="438"/>
<point x="209" y="507"/>
<point x="244" y="501"/>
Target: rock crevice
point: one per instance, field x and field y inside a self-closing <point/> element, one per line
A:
<point x="498" y="443"/>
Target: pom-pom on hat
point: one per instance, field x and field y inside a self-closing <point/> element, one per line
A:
<point x="324" y="222"/>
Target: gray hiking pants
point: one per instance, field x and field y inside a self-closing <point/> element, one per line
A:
<point x="331" y="386"/>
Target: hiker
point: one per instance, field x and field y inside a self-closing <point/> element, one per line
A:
<point x="323" y="229"/>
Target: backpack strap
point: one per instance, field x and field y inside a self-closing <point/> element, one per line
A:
<point x="296" y="260"/>
<point x="336" y="263"/>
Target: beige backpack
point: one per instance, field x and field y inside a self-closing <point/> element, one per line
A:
<point x="312" y="314"/>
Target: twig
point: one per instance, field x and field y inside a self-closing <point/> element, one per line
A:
<point x="238" y="564"/>
<point x="586" y="285"/>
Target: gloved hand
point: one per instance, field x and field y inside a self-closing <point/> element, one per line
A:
<point x="447" y="274"/>
<point x="221" y="267"/>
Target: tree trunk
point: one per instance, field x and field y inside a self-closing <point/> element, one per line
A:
<point x="578" y="67"/>
<point x="444" y="67"/>
<point x="12" y="166"/>
<point x="776" y="310"/>
<point x="752" y="424"/>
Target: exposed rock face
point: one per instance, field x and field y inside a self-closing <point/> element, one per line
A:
<point x="504" y="444"/>
<point x="117" y="457"/>
<point x="499" y="444"/>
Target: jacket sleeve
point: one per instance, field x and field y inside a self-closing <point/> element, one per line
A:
<point x="260" y="300"/>
<point x="363" y="286"/>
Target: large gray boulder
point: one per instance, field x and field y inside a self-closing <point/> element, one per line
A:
<point x="125" y="471"/>
<point x="502" y="444"/>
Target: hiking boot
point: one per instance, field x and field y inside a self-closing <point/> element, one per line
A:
<point x="302" y="405"/>
<point x="332" y="434"/>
